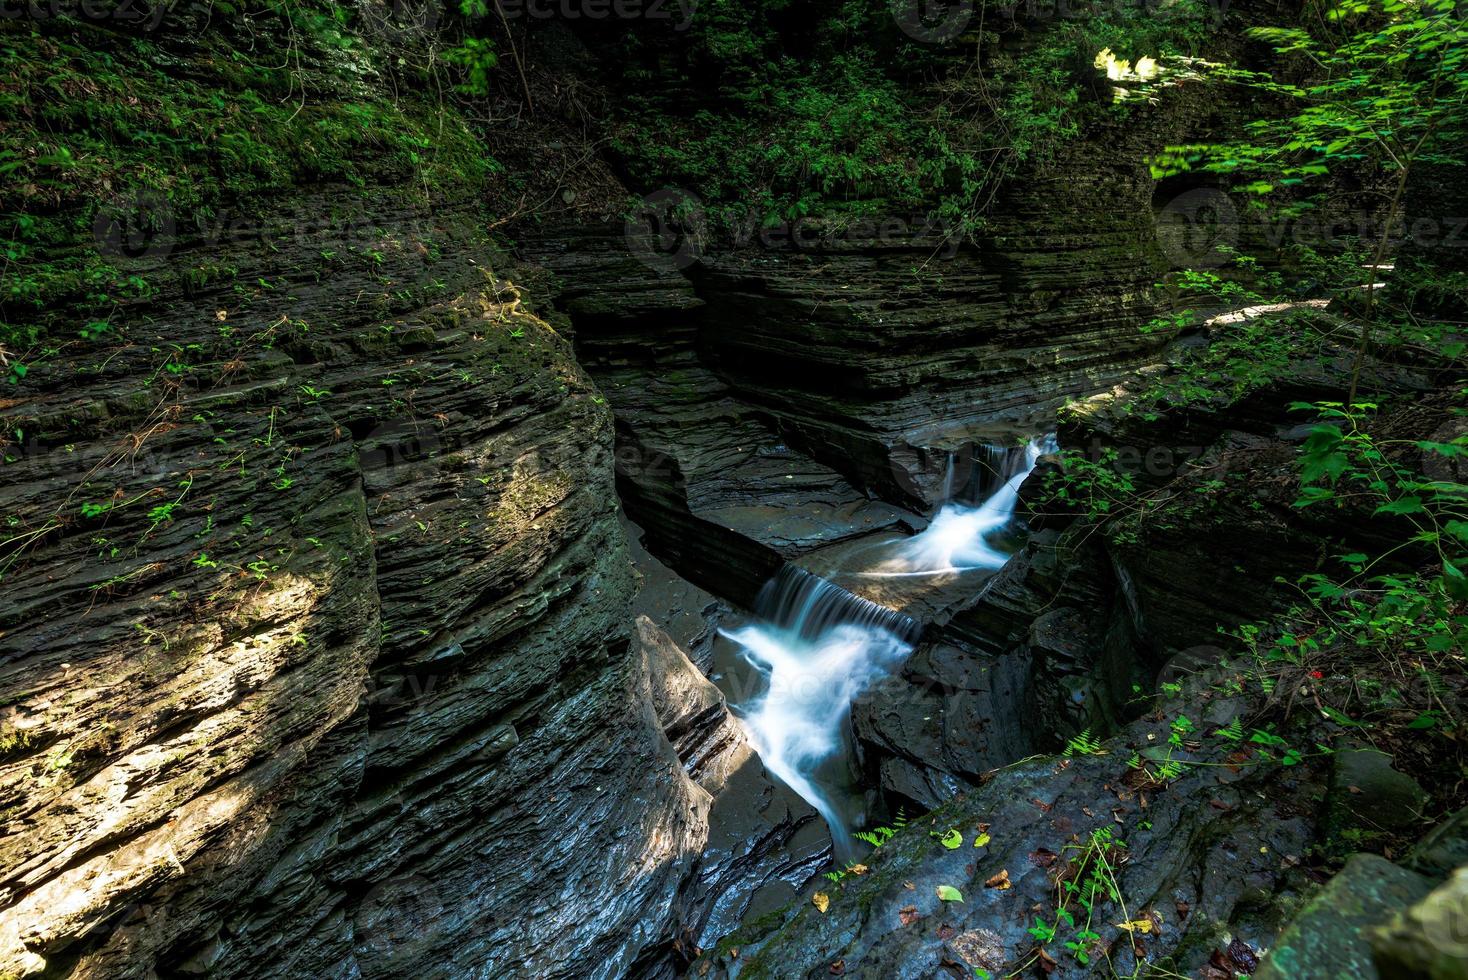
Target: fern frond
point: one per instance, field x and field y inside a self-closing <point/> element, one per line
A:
<point x="1233" y="731"/>
<point x="1084" y="744"/>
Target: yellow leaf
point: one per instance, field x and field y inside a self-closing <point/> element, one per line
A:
<point x="858" y="869"/>
<point x="1136" y="925"/>
<point x="821" y="901"/>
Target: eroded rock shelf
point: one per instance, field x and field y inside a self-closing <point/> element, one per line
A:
<point x="395" y="487"/>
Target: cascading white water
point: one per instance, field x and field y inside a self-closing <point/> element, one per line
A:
<point x="798" y="724"/>
<point x="818" y="647"/>
<point x="957" y="538"/>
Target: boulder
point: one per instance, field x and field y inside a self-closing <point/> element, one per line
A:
<point x="1368" y="796"/>
<point x="1429" y="940"/>
<point x="1330" y="937"/>
<point x="1205" y="859"/>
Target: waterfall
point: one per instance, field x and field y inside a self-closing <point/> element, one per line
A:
<point x="818" y="647"/>
<point x="972" y="473"/>
<point x="957" y="538"/>
<point x="810" y="606"/>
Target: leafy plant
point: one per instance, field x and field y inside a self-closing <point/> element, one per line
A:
<point x="829" y="127"/>
<point x="1084" y="744"/>
<point x="1097" y="487"/>
<point x="1343" y="464"/>
<point x="1391" y="94"/>
<point x="1086" y="887"/>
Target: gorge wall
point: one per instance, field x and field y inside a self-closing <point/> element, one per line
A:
<point x="317" y="653"/>
<point x="345" y="639"/>
<point x="326" y="647"/>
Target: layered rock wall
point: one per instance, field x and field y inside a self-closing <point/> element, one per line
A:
<point x="308" y="644"/>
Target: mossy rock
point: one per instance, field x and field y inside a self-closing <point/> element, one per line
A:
<point x="1368" y="796"/>
<point x="1330" y="939"/>
<point x="1430" y="939"/>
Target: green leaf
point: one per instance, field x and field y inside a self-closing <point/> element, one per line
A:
<point x="948" y="893"/>
<point x="952" y="840"/>
<point x="1322" y="456"/>
<point x="1406" y="505"/>
<point x="1314" y="495"/>
<point x="1454" y="580"/>
<point x="1443" y="448"/>
<point x="1339" y="718"/>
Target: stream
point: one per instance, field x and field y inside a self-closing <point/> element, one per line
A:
<point x="813" y="648"/>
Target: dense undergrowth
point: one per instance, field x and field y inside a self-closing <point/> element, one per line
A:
<point x="832" y="110"/>
<point x="116" y="144"/>
<point x="1368" y="642"/>
<point x="1367" y="645"/>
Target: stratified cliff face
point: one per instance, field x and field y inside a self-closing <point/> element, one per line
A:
<point x="875" y="352"/>
<point x="316" y="655"/>
<point x="322" y="648"/>
<point x="316" y="652"/>
<point x="804" y="384"/>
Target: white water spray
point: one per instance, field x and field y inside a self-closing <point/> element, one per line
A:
<point x="957" y="538"/>
<point x="819" y="647"/>
<point x="797" y="725"/>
